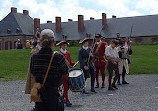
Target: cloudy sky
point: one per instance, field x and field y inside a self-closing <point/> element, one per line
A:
<point x="48" y="9"/>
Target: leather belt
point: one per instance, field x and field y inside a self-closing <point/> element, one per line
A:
<point x="123" y="58"/>
<point x="85" y="60"/>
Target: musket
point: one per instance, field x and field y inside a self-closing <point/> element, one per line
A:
<point x="101" y="30"/>
<point x="131" y="32"/>
<point x="129" y="39"/>
<point x="92" y="44"/>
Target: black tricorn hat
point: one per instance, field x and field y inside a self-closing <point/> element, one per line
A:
<point x="84" y="40"/>
<point x="62" y="43"/>
<point x="98" y="35"/>
<point x="103" y="38"/>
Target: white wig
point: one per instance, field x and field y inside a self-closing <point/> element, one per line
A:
<point x="48" y="33"/>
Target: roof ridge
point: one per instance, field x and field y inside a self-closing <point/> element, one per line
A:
<point x="107" y="19"/>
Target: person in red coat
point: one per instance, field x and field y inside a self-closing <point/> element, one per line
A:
<point x="99" y="59"/>
<point x="63" y="46"/>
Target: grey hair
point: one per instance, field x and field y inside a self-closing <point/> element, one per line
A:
<point x="46" y="38"/>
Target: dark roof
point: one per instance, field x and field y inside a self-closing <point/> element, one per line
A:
<point x="14" y="21"/>
<point x="142" y="26"/>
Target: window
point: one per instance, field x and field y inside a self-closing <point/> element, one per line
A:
<point x="17" y="30"/>
<point x="8" y="31"/>
<point x="155" y="39"/>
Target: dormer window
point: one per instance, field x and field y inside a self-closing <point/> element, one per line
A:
<point x="17" y="30"/>
<point x="8" y="31"/>
<point x="64" y="37"/>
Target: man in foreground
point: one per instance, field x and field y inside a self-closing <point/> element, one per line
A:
<point x="39" y="65"/>
<point x="66" y="54"/>
<point x="123" y="63"/>
<point x="113" y="58"/>
<point x="85" y="59"/>
<point x="99" y="59"/>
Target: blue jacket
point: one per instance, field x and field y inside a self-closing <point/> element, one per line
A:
<point x="84" y="54"/>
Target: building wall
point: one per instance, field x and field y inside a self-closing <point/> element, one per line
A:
<point x="12" y="40"/>
<point x="145" y="40"/>
<point x="142" y="40"/>
<point x="4" y="41"/>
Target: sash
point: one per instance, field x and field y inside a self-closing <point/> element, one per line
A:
<point x="98" y="47"/>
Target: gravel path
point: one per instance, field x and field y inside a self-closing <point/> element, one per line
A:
<point x="140" y="95"/>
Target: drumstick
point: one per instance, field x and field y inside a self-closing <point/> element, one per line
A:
<point x="75" y="64"/>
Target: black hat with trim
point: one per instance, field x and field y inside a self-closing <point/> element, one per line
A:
<point x="84" y="40"/>
<point x="62" y="43"/>
<point x="98" y="35"/>
<point x="103" y="38"/>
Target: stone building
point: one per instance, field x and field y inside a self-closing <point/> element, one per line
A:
<point x="21" y="26"/>
<point x="15" y="26"/>
<point x="141" y="29"/>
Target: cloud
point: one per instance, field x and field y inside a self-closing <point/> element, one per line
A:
<point x="44" y="11"/>
<point x="5" y="8"/>
<point x="150" y="6"/>
<point x="120" y="8"/>
<point x="134" y="13"/>
<point x="69" y="9"/>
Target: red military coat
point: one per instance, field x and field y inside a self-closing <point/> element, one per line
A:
<point x="68" y="58"/>
<point x="99" y="56"/>
<point x="69" y="63"/>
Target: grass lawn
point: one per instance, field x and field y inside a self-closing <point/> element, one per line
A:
<point x="14" y="63"/>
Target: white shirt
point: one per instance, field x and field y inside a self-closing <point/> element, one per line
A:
<point x="85" y="47"/>
<point x="98" y="42"/>
<point x="63" y="51"/>
<point x="109" y="51"/>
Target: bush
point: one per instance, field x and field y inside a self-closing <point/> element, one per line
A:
<point x="73" y="43"/>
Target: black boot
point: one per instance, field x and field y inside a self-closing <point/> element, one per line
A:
<point x="85" y="92"/>
<point x="114" y="86"/>
<point x="68" y="104"/>
<point x="97" y="86"/>
<point x="93" y="90"/>
<point x="118" y="83"/>
<point x="111" y="89"/>
<point x="103" y="86"/>
<point x="124" y="82"/>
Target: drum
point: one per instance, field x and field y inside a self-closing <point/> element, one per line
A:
<point x="76" y="80"/>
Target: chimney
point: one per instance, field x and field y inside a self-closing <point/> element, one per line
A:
<point x="70" y="20"/>
<point x="13" y="9"/>
<point x="36" y="25"/>
<point x="103" y="20"/>
<point x="91" y="18"/>
<point x="49" y="21"/>
<point x="80" y="23"/>
<point x="26" y="12"/>
<point x="58" y="24"/>
<point x="113" y="16"/>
